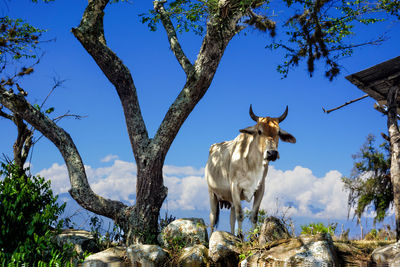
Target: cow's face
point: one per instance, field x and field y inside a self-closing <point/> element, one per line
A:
<point x="267" y="133"/>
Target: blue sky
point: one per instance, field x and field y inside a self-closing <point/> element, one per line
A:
<point x="247" y="75"/>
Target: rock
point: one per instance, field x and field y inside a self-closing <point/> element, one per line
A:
<point x="81" y="239"/>
<point x="147" y="255"/>
<point x="387" y="254"/>
<point x="305" y="250"/>
<point x="194" y="256"/>
<point x="223" y="248"/>
<point x="271" y="230"/>
<point x="115" y="256"/>
<point x="184" y="233"/>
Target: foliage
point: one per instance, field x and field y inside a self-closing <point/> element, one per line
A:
<point x="106" y="240"/>
<point x="190" y="15"/>
<point x="163" y="222"/>
<point x="323" y="30"/>
<point x="382" y="234"/>
<point x="315" y="30"/>
<point x="18" y="40"/>
<point x="253" y="233"/>
<point x="28" y="215"/>
<point x="318" y="228"/>
<point x="370" y="182"/>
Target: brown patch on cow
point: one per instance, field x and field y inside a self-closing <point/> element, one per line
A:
<point x="270" y="126"/>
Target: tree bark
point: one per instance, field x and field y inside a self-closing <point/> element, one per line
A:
<point x="23" y="142"/>
<point x="394" y="136"/>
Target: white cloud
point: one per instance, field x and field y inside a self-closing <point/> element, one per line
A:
<point x="109" y="158"/>
<point x="309" y="196"/>
<point x="187" y="193"/>
<point x="58" y="175"/>
<point x="182" y="171"/>
<point x="115" y="182"/>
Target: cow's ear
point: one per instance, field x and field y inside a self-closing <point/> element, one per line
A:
<point x="286" y="137"/>
<point x="249" y="130"/>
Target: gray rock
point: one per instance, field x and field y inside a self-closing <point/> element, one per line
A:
<point x="146" y="255"/>
<point x="271" y="230"/>
<point x="115" y="256"/>
<point x="387" y="254"/>
<point x="223" y="247"/>
<point x="184" y="232"/>
<point x="316" y="250"/>
<point x="194" y="256"/>
<point x="81" y="239"/>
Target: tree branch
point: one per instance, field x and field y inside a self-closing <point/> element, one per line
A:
<point x="212" y="49"/>
<point x="173" y="39"/>
<point x="90" y="34"/>
<point x="80" y="189"/>
<point x="5" y="115"/>
<point x="345" y="104"/>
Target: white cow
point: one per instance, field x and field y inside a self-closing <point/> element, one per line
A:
<point x="236" y="169"/>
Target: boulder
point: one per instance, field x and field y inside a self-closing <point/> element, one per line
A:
<point x="271" y="230"/>
<point x="389" y="254"/>
<point x="81" y="239"/>
<point x="115" y="256"/>
<point x="194" y="256"/>
<point x="223" y="248"/>
<point x="183" y="233"/>
<point x="316" y="250"/>
<point x="147" y="255"/>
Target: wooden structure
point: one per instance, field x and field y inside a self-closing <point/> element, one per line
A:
<point x="382" y="82"/>
<point x="375" y="81"/>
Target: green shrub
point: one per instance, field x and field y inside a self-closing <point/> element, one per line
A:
<point x="318" y="228"/>
<point x="28" y="216"/>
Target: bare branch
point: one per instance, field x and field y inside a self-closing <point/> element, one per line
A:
<point x="57" y="83"/>
<point x="76" y="117"/>
<point x="5" y="115"/>
<point x="90" y="33"/>
<point x="345" y="104"/>
<point x="214" y="43"/>
<point x="173" y="39"/>
<point x="80" y="189"/>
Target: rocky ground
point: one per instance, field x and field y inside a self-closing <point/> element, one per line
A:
<point x="185" y="242"/>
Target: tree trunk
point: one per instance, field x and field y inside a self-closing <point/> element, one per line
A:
<point x="394" y="136"/>
<point x="142" y="224"/>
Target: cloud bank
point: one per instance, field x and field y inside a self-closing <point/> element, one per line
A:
<point x="305" y="194"/>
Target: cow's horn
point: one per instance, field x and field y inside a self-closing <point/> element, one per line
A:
<point x="283" y="116"/>
<point x="252" y="115"/>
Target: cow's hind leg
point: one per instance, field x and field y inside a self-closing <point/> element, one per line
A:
<point x="233" y="219"/>
<point x="214" y="211"/>
<point x="236" y="192"/>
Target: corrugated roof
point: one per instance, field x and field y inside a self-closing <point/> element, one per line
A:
<point x="375" y="81"/>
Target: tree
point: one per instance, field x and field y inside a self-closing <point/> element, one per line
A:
<point x="218" y="21"/>
<point x="370" y="182"/>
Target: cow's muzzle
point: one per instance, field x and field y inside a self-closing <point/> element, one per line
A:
<point x="272" y="155"/>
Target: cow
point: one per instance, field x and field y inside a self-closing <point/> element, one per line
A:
<point x="236" y="169"/>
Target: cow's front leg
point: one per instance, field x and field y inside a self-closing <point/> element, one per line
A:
<point x="236" y="192"/>
<point x="258" y="195"/>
